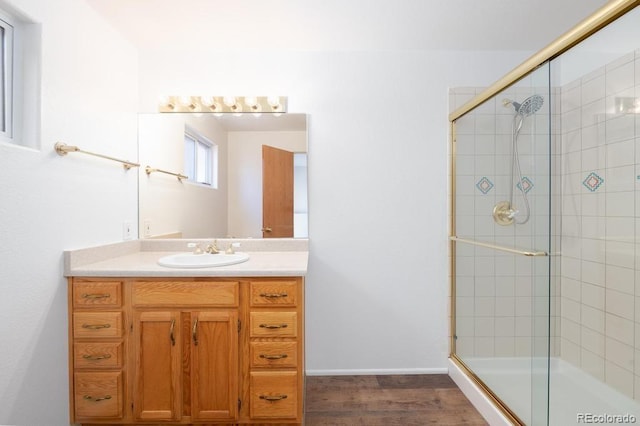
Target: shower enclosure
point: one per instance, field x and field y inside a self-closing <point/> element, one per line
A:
<point x="545" y="229"/>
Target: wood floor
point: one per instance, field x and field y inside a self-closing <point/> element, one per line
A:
<point x="432" y="399"/>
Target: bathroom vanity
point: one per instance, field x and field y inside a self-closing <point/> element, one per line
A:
<point x="217" y="345"/>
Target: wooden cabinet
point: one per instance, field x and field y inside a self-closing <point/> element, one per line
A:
<point x="212" y="348"/>
<point x="157" y="367"/>
<point x="274" y="394"/>
<point x="186" y="351"/>
<point x="275" y="349"/>
<point x="214" y="361"/>
<point x="96" y="351"/>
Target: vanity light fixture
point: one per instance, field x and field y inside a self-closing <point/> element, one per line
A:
<point x="224" y="104"/>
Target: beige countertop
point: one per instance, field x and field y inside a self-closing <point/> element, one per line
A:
<point x="139" y="258"/>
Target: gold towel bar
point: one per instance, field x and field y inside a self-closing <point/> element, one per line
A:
<point x="64" y="149"/>
<point x="501" y="248"/>
<point x="150" y="170"/>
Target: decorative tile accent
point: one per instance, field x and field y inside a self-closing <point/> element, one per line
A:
<point x="484" y="185"/>
<point x="525" y="185"/>
<point x="592" y="182"/>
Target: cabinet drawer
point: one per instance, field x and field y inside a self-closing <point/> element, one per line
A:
<point x="107" y="294"/>
<point x="176" y="293"/>
<point x="274" y="354"/>
<point x="274" y="293"/>
<point x="97" y="355"/>
<point x="274" y="324"/>
<point x="97" y="324"/>
<point x="98" y="395"/>
<point x="274" y="395"/>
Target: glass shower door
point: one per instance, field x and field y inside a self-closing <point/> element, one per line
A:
<point x="502" y="237"/>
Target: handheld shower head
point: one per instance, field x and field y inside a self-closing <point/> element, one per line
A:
<point x="529" y="106"/>
<point x="504" y="212"/>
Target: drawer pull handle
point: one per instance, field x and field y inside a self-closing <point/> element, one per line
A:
<point x="273" y="326"/>
<point x="96" y="357"/>
<point x="96" y="295"/>
<point x="171" y="336"/>
<point x="102" y="398"/>
<point x="273" y="397"/>
<point x="96" y="326"/>
<point x="282" y="356"/>
<point x="273" y="295"/>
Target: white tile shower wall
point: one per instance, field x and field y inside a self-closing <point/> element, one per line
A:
<point x="501" y="299"/>
<point x="600" y="304"/>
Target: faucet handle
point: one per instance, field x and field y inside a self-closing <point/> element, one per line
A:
<point x="197" y="249"/>
<point x="231" y="248"/>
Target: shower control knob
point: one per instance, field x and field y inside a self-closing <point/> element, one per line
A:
<point x="503" y="214"/>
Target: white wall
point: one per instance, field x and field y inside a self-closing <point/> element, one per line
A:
<point x="377" y="288"/>
<point x="50" y="203"/>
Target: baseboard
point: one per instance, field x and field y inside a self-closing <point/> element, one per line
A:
<point x="377" y="372"/>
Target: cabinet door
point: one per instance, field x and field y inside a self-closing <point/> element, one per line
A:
<point x="214" y="357"/>
<point x="156" y="393"/>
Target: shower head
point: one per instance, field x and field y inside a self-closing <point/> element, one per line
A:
<point x="529" y="106"/>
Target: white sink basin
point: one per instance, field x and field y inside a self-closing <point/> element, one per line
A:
<point x="205" y="260"/>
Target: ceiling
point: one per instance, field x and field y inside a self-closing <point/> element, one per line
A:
<point x="209" y="25"/>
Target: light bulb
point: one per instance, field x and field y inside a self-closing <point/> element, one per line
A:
<point x="210" y="102"/>
<point x="251" y="101"/>
<point x="185" y="101"/>
<point x="229" y="101"/>
<point x="274" y="101"/>
<point x="166" y="101"/>
<point x="207" y="100"/>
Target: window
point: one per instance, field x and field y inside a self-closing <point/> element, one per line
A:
<point x="6" y="78"/>
<point x="20" y="76"/>
<point x="200" y="159"/>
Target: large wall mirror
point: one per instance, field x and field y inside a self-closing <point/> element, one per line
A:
<point x="243" y="176"/>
